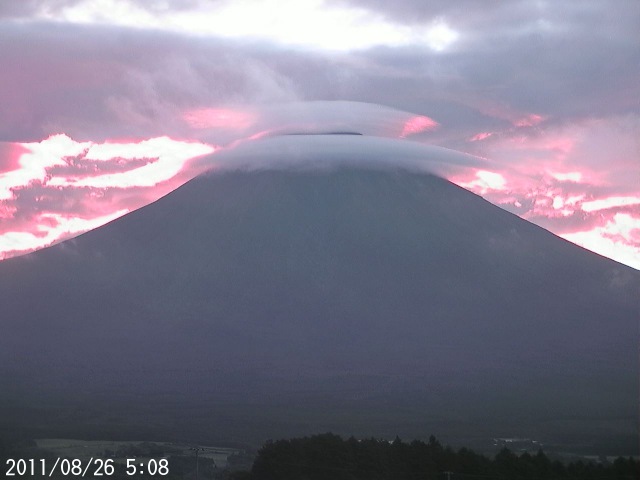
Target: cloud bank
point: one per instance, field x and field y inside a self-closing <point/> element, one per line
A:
<point x="546" y="92"/>
<point x="57" y="188"/>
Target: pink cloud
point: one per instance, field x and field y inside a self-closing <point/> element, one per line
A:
<point x="59" y="187"/>
<point x="10" y="154"/>
<point x="56" y="188"/>
<point x="610" y="202"/>
<point x="529" y="120"/>
<point x="417" y="124"/>
<point x="482" y="181"/>
<point x="35" y="160"/>
<point x="480" y="136"/>
<point x="218" y="118"/>
<point x="571" y="179"/>
<point x="48" y="229"/>
<point x="618" y="237"/>
<point x="575" y="180"/>
<point x="567" y="176"/>
<point x="165" y="158"/>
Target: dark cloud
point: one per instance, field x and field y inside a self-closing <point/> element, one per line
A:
<point x="27" y="8"/>
<point x="561" y="59"/>
<point x="482" y="22"/>
<point x="512" y="59"/>
<point x="99" y="82"/>
<point x="302" y="151"/>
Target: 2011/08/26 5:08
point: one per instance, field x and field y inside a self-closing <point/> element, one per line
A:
<point x="76" y="467"/>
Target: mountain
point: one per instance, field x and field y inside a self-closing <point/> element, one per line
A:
<point x="256" y="304"/>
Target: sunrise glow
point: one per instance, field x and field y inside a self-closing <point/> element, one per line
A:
<point x="105" y="102"/>
<point x="529" y="120"/>
<point x="50" y="228"/>
<point x="611" y="202"/>
<point x="417" y="124"/>
<point x="617" y="238"/>
<point x="218" y="118"/>
<point x="482" y="182"/>
<point x="104" y="180"/>
<point x="557" y="201"/>
<point x="77" y="186"/>
<point x="480" y="136"/>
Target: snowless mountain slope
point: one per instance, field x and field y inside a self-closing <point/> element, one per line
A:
<point x="273" y="302"/>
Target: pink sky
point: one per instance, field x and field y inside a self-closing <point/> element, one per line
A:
<point x="57" y="188"/>
<point x="103" y="104"/>
<point x="580" y="181"/>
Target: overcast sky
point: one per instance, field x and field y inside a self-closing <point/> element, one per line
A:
<point x="104" y="104"/>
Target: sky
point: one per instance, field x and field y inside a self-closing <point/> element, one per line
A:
<point x="106" y="105"/>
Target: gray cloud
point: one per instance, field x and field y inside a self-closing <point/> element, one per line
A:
<point x="563" y="61"/>
<point x="481" y="22"/>
<point x="97" y="82"/>
<point x="324" y="151"/>
<point x="29" y="8"/>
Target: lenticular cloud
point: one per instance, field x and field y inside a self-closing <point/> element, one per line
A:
<point x="312" y="151"/>
<point x="221" y="125"/>
<point x="57" y="188"/>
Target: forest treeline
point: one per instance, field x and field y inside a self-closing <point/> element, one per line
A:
<point x="329" y="457"/>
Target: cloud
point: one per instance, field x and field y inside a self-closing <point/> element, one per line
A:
<point x="219" y="118"/>
<point x="93" y="80"/>
<point x="308" y="117"/>
<point x="289" y="22"/>
<point x="544" y="91"/>
<point x="579" y="180"/>
<point x="617" y="238"/>
<point x="485" y="181"/>
<point x="58" y="188"/>
<point x="610" y="202"/>
<point x="163" y="158"/>
<point x="51" y="228"/>
<point x="103" y="82"/>
<point x="325" y="151"/>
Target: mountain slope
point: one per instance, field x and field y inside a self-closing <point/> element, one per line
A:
<point x="280" y="302"/>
